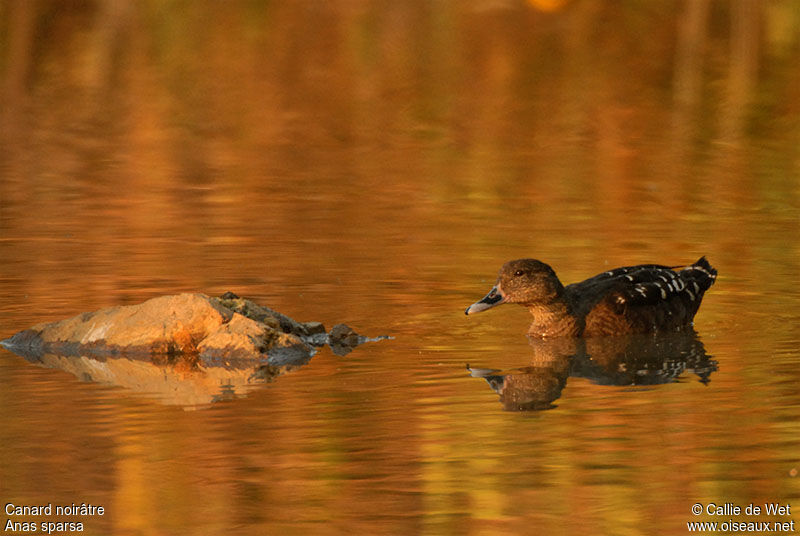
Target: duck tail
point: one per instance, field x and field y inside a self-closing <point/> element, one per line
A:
<point x="703" y="263"/>
<point x="701" y="272"/>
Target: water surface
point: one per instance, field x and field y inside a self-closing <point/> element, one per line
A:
<point x="375" y="165"/>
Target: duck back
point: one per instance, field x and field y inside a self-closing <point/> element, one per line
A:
<point x="640" y="299"/>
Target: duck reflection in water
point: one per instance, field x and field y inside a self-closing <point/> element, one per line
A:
<point x="623" y="360"/>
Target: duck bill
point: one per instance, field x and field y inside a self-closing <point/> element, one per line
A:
<point x="495" y="297"/>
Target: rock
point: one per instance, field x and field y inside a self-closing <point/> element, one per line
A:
<point x="186" y="349"/>
<point x="343" y="334"/>
<point x="268" y="316"/>
<point x="342" y="339"/>
<point x="314" y="328"/>
<point x="179" y="324"/>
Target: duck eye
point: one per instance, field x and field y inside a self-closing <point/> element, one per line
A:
<point x="519" y="273"/>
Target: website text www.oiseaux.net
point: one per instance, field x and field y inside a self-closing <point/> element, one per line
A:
<point x="749" y="526"/>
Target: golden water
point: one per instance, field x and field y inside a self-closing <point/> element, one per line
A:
<point x="375" y="164"/>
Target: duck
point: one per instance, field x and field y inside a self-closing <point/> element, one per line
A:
<point x="646" y="298"/>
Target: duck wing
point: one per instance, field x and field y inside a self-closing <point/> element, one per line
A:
<point x="647" y="297"/>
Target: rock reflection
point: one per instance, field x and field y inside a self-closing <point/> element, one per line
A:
<point x="188" y="380"/>
<point x="184" y="379"/>
<point x="627" y="360"/>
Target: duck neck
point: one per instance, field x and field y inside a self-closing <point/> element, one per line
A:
<point x="552" y="319"/>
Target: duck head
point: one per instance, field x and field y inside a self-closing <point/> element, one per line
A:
<point x="524" y="281"/>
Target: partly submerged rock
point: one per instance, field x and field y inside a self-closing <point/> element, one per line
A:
<point x="186" y="349"/>
<point x="178" y="324"/>
<point x="343" y="339"/>
<point x="214" y="329"/>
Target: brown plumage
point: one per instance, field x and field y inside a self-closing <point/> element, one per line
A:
<point x="634" y="299"/>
